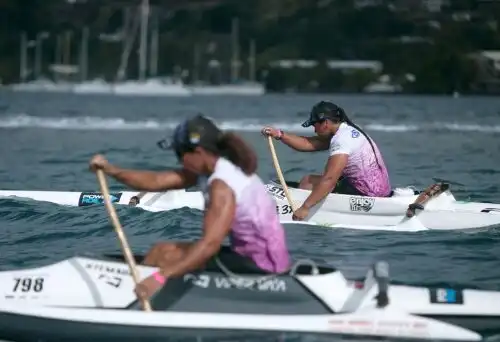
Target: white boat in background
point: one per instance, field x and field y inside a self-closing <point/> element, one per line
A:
<point x="237" y="85"/>
<point x="96" y="86"/>
<point x="383" y="85"/>
<point x="148" y="83"/>
<point x="144" y="85"/>
<point x="243" y="88"/>
<point x="97" y="302"/>
<point x="42" y="85"/>
<point x="442" y="212"/>
<point x="152" y="87"/>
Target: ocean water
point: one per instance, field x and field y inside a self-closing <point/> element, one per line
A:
<point x="46" y="141"/>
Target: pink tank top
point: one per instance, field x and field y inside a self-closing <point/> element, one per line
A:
<point x="256" y="231"/>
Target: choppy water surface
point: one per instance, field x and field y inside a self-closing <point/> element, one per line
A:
<point x="46" y="141"/>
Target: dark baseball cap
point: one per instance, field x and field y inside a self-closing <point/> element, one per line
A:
<point x="197" y="131"/>
<point x="323" y="110"/>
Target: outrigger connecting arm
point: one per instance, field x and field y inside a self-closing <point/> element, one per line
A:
<point x="431" y="192"/>
<point x="378" y="275"/>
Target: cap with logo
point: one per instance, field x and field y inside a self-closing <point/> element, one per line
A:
<point x="322" y="111"/>
<point x="197" y="131"/>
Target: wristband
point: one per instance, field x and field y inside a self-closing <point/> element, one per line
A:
<point x="159" y="278"/>
<point x="280" y="134"/>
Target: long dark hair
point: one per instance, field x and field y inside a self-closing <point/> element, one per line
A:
<point x="344" y="118"/>
<point x="238" y="152"/>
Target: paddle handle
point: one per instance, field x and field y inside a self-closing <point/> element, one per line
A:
<point x="121" y="235"/>
<point x="279" y="172"/>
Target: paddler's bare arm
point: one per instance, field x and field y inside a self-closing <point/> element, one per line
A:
<point x="152" y="180"/>
<point x="305" y="144"/>
<point x="217" y="225"/>
<point x="298" y="143"/>
<point x="145" y="180"/>
<point x="333" y="170"/>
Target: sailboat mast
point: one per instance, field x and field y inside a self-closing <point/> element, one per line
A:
<point x="196" y="62"/>
<point x="251" y="61"/>
<point x="235" y="47"/>
<point x="58" y="50"/>
<point x="153" y="61"/>
<point x="129" y="32"/>
<point x="67" y="50"/>
<point x="24" y="58"/>
<point x="38" y="55"/>
<point x="84" y="54"/>
<point x="144" y="39"/>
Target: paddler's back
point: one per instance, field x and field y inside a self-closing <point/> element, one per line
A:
<point x="256" y="231"/>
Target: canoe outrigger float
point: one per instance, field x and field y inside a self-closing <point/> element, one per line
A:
<point x="91" y="299"/>
<point x="441" y="211"/>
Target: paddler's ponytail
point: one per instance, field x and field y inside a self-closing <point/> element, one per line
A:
<point x="238" y="152"/>
<point x="345" y="118"/>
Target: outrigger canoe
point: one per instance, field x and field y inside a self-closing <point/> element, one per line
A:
<point x="441" y="212"/>
<point x="88" y="298"/>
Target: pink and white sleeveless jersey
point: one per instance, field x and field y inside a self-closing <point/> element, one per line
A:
<point x="256" y="231"/>
<point x="362" y="170"/>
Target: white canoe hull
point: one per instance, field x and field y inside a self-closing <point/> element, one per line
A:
<point x="91" y="324"/>
<point x="72" y="290"/>
<point x="152" y="201"/>
<point x="105" y="282"/>
<point x="441" y="213"/>
<point x="337" y="211"/>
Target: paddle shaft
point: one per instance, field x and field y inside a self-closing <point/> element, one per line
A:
<point x="279" y="173"/>
<point x="121" y="235"/>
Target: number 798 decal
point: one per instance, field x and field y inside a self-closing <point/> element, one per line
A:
<point x="28" y="284"/>
<point x="284" y="209"/>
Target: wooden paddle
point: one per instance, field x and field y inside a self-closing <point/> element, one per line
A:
<point x="279" y="173"/>
<point x="121" y="236"/>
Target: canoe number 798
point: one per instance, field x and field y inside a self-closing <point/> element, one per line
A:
<point x="28" y="284"/>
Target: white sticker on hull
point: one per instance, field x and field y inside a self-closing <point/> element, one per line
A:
<point x="361" y="203"/>
<point x="276" y="191"/>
